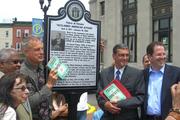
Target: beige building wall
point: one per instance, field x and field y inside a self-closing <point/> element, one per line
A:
<point x="176" y="32"/>
<point x="144" y="29"/>
<point x="111" y="27"/>
<point x="5" y="40"/>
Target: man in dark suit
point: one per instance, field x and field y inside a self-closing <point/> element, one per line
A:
<point x="130" y="78"/>
<point x="159" y="78"/>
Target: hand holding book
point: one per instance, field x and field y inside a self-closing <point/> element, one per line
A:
<point x="115" y="91"/>
<point x="55" y="63"/>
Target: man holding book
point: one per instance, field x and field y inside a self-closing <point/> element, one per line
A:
<point x="130" y="93"/>
<point x="40" y="91"/>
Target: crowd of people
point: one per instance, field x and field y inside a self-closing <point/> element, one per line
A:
<point x="26" y="95"/>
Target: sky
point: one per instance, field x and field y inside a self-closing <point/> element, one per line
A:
<point x="25" y="10"/>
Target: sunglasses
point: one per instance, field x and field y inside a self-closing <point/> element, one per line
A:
<point x="23" y="88"/>
<point x="15" y="61"/>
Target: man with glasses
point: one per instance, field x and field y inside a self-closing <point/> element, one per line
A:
<point x="10" y="61"/>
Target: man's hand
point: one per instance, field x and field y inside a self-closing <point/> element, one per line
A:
<point x="52" y="78"/>
<point x="112" y="107"/>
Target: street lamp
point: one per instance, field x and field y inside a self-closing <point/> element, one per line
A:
<point x="45" y="8"/>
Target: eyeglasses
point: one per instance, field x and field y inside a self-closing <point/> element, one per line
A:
<point x="23" y="88"/>
<point x="15" y="61"/>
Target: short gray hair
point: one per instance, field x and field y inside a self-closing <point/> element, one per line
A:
<point x="119" y="46"/>
<point x="6" y="53"/>
<point x="26" y="43"/>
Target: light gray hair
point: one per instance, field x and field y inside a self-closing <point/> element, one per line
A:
<point x="26" y="43"/>
<point x="6" y="53"/>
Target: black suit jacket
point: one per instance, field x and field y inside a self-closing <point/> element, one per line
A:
<point x="132" y="80"/>
<point x="170" y="77"/>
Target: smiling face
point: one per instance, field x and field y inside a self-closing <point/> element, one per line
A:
<point x="12" y="64"/>
<point x="19" y="92"/>
<point x="121" y="57"/>
<point x="34" y="52"/>
<point x="158" y="58"/>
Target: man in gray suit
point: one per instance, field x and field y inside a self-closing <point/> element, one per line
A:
<point x="130" y="78"/>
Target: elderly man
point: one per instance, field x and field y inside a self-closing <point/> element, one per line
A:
<point x="40" y="91"/>
<point x="9" y="62"/>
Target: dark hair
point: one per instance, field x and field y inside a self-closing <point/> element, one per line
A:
<point x="150" y="47"/>
<point x="119" y="46"/>
<point x="144" y="57"/>
<point x="6" y="86"/>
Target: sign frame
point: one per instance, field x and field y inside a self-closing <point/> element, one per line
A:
<point x="75" y="13"/>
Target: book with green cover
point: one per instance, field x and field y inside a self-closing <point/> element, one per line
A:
<point x="55" y="63"/>
<point x="113" y="93"/>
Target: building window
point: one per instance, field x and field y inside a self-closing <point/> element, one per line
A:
<point x="129" y="17"/>
<point x="129" y="4"/>
<point x="162" y="32"/>
<point x="129" y="38"/>
<point x="6" y="45"/>
<point x="18" y="33"/>
<point x="7" y="33"/>
<point x="102" y="8"/>
<point x="162" y="24"/>
<point x="18" y="46"/>
<point x="26" y="33"/>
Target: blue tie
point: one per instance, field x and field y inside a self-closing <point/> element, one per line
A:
<point x="117" y="75"/>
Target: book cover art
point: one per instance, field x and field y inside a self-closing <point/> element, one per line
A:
<point x="115" y="91"/>
<point x="55" y="63"/>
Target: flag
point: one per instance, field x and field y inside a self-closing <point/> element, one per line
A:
<point x="37" y="28"/>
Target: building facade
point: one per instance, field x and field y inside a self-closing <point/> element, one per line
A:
<point x="137" y="23"/>
<point x="12" y="34"/>
<point x="5" y="35"/>
<point x="21" y="30"/>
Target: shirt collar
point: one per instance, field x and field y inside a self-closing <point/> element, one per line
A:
<point x="121" y="70"/>
<point x="161" y="70"/>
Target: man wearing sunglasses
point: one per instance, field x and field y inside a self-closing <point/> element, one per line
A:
<point x="9" y="62"/>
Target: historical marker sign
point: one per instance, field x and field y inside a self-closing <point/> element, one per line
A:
<point x="74" y="38"/>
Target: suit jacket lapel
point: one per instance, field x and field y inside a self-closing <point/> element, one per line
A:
<point x="165" y="82"/>
<point x="124" y="75"/>
<point x="146" y="78"/>
<point x="111" y="74"/>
